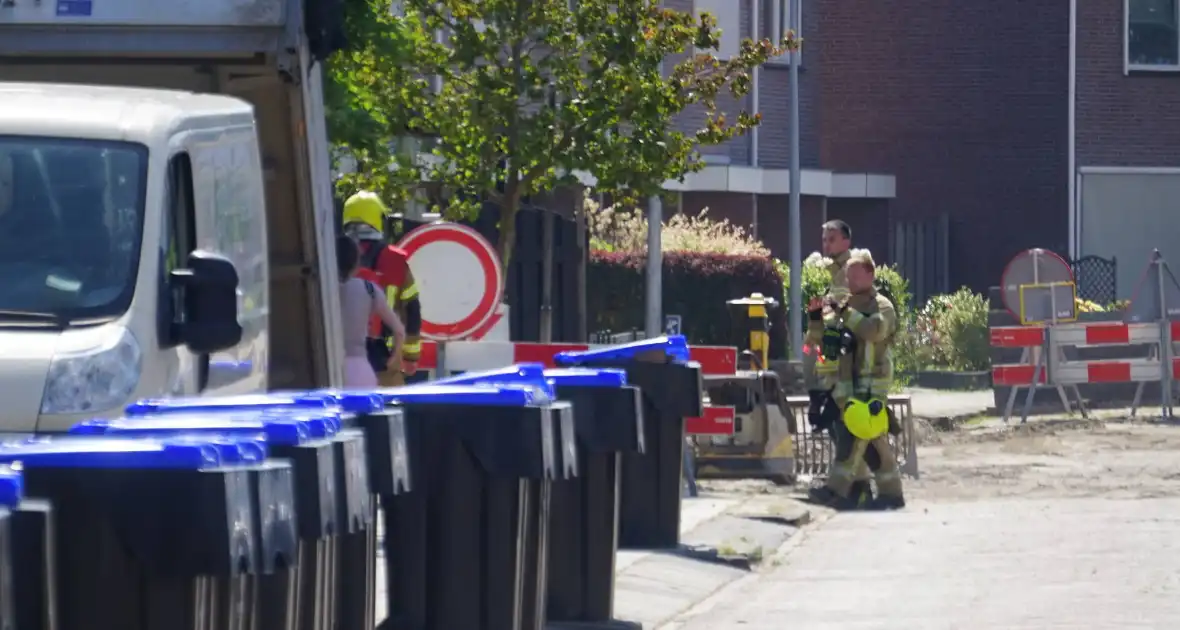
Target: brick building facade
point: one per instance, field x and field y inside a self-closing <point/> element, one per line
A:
<point x="1049" y="124"/>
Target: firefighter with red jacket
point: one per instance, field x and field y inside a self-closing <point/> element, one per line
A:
<point x="387" y="267"/>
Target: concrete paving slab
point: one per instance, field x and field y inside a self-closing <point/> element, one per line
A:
<point x="665" y="584"/>
<point x="1014" y="564"/>
<point x="693" y="513"/>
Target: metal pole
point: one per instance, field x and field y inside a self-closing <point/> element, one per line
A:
<point x="546" y="276"/>
<point x="795" y="224"/>
<point x="652" y="323"/>
<point x="583" y="253"/>
<point x="1157" y="265"/>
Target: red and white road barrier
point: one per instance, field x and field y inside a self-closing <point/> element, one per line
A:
<point x="467" y="356"/>
<point x="1029" y="339"/>
<point x="1044" y="362"/>
<point x="1100" y="334"/>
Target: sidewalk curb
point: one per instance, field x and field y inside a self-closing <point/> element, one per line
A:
<point x="780" y="555"/>
<point x="660" y="586"/>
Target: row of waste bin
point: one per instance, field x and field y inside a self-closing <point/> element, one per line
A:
<point x="504" y="497"/>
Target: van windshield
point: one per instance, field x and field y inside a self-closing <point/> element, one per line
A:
<point x="71" y="221"/>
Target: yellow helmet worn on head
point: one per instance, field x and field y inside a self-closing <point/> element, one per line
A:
<point x="866" y="419"/>
<point x="365" y="207"/>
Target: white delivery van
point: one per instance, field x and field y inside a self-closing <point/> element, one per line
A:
<point x="164" y="180"/>
<point x="132" y="249"/>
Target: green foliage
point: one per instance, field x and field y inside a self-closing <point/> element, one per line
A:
<point x="616" y="229"/>
<point x="948" y="332"/>
<point x="522" y="94"/>
<point x="696" y="286"/>
<point x="962" y="333"/>
<point x="817" y="279"/>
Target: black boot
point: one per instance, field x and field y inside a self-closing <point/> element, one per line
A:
<point x="861" y="493"/>
<point x="885" y="503"/>
<point x="827" y="497"/>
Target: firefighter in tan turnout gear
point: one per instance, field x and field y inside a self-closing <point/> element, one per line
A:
<point x="856" y="333"/>
<point x="820" y="374"/>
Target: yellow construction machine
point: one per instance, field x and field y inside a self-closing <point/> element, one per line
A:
<point x="762" y="445"/>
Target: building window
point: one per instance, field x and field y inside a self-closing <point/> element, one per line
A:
<point x="729" y="21"/>
<point x="1152" y="35"/>
<point x="775" y="22"/>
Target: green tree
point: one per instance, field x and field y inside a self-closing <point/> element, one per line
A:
<point x="522" y="94"/>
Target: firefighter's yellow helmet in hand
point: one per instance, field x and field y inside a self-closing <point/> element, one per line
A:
<point x="866" y="419"/>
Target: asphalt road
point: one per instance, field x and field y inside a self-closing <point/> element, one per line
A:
<point x="1092" y="563"/>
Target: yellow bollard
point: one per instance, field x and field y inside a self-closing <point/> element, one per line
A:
<point x="758" y="324"/>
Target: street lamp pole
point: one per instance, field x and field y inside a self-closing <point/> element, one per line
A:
<point x="795" y="314"/>
<point x="653" y="324"/>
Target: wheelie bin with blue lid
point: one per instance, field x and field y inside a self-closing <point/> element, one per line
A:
<point x="316" y="482"/>
<point x="584" y="521"/>
<point x="649" y="513"/>
<point x="535" y="578"/>
<point x="388" y="474"/>
<point x="11" y="492"/>
<point x="144" y="529"/>
<point x="456" y="545"/>
<point x="368" y="457"/>
<point x="272" y="488"/>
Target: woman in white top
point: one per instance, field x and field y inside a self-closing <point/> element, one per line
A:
<point x="360" y="300"/>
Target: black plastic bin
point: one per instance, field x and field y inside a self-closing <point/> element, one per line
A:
<point x="649" y="516"/>
<point x="298" y="584"/>
<point x="462" y="546"/>
<point x="387" y="473"/>
<point x="148" y="531"/>
<point x="320" y="498"/>
<point x="11" y="492"/>
<point x="584" y="517"/>
<point x="535" y="577"/>
<point x="32" y="563"/>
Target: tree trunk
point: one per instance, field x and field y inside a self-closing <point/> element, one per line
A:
<point x="507" y="243"/>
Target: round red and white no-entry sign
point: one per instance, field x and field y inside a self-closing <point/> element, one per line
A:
<point x="460" y="281"/>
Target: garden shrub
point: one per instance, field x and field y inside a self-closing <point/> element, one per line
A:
<point x="963" y="339"/>
<point x="614" y="229"/>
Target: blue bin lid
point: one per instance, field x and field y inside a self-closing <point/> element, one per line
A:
<point x="306" y="400"/>
<point x="355" y="401"/>
<point x="271" y="430"/>
<point x="12" y="487"/>
<point x="232" y="448"/>
<point x="321" y="423"/>
<point x="491" y="395"/>
<point x="531" y="374"/>
<point x="675" y="347"/>
<point x="111" y="452"/>
<point x="586" y="377"/>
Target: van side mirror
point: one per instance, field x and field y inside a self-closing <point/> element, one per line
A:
<point x="210" y="289"/>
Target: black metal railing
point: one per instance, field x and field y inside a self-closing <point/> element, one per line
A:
<point x="1096" y="278"/>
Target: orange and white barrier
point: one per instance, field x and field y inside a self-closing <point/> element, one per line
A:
<point x="467" y="356"/>
<point x="1030" y="339"/>
<point x="1044" y="361"/>
<point x="1161" y="365"/>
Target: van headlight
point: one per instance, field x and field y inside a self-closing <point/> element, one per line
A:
<point x="95" y="379"/>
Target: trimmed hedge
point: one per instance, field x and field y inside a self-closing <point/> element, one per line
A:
<point x="696" y="287"/>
